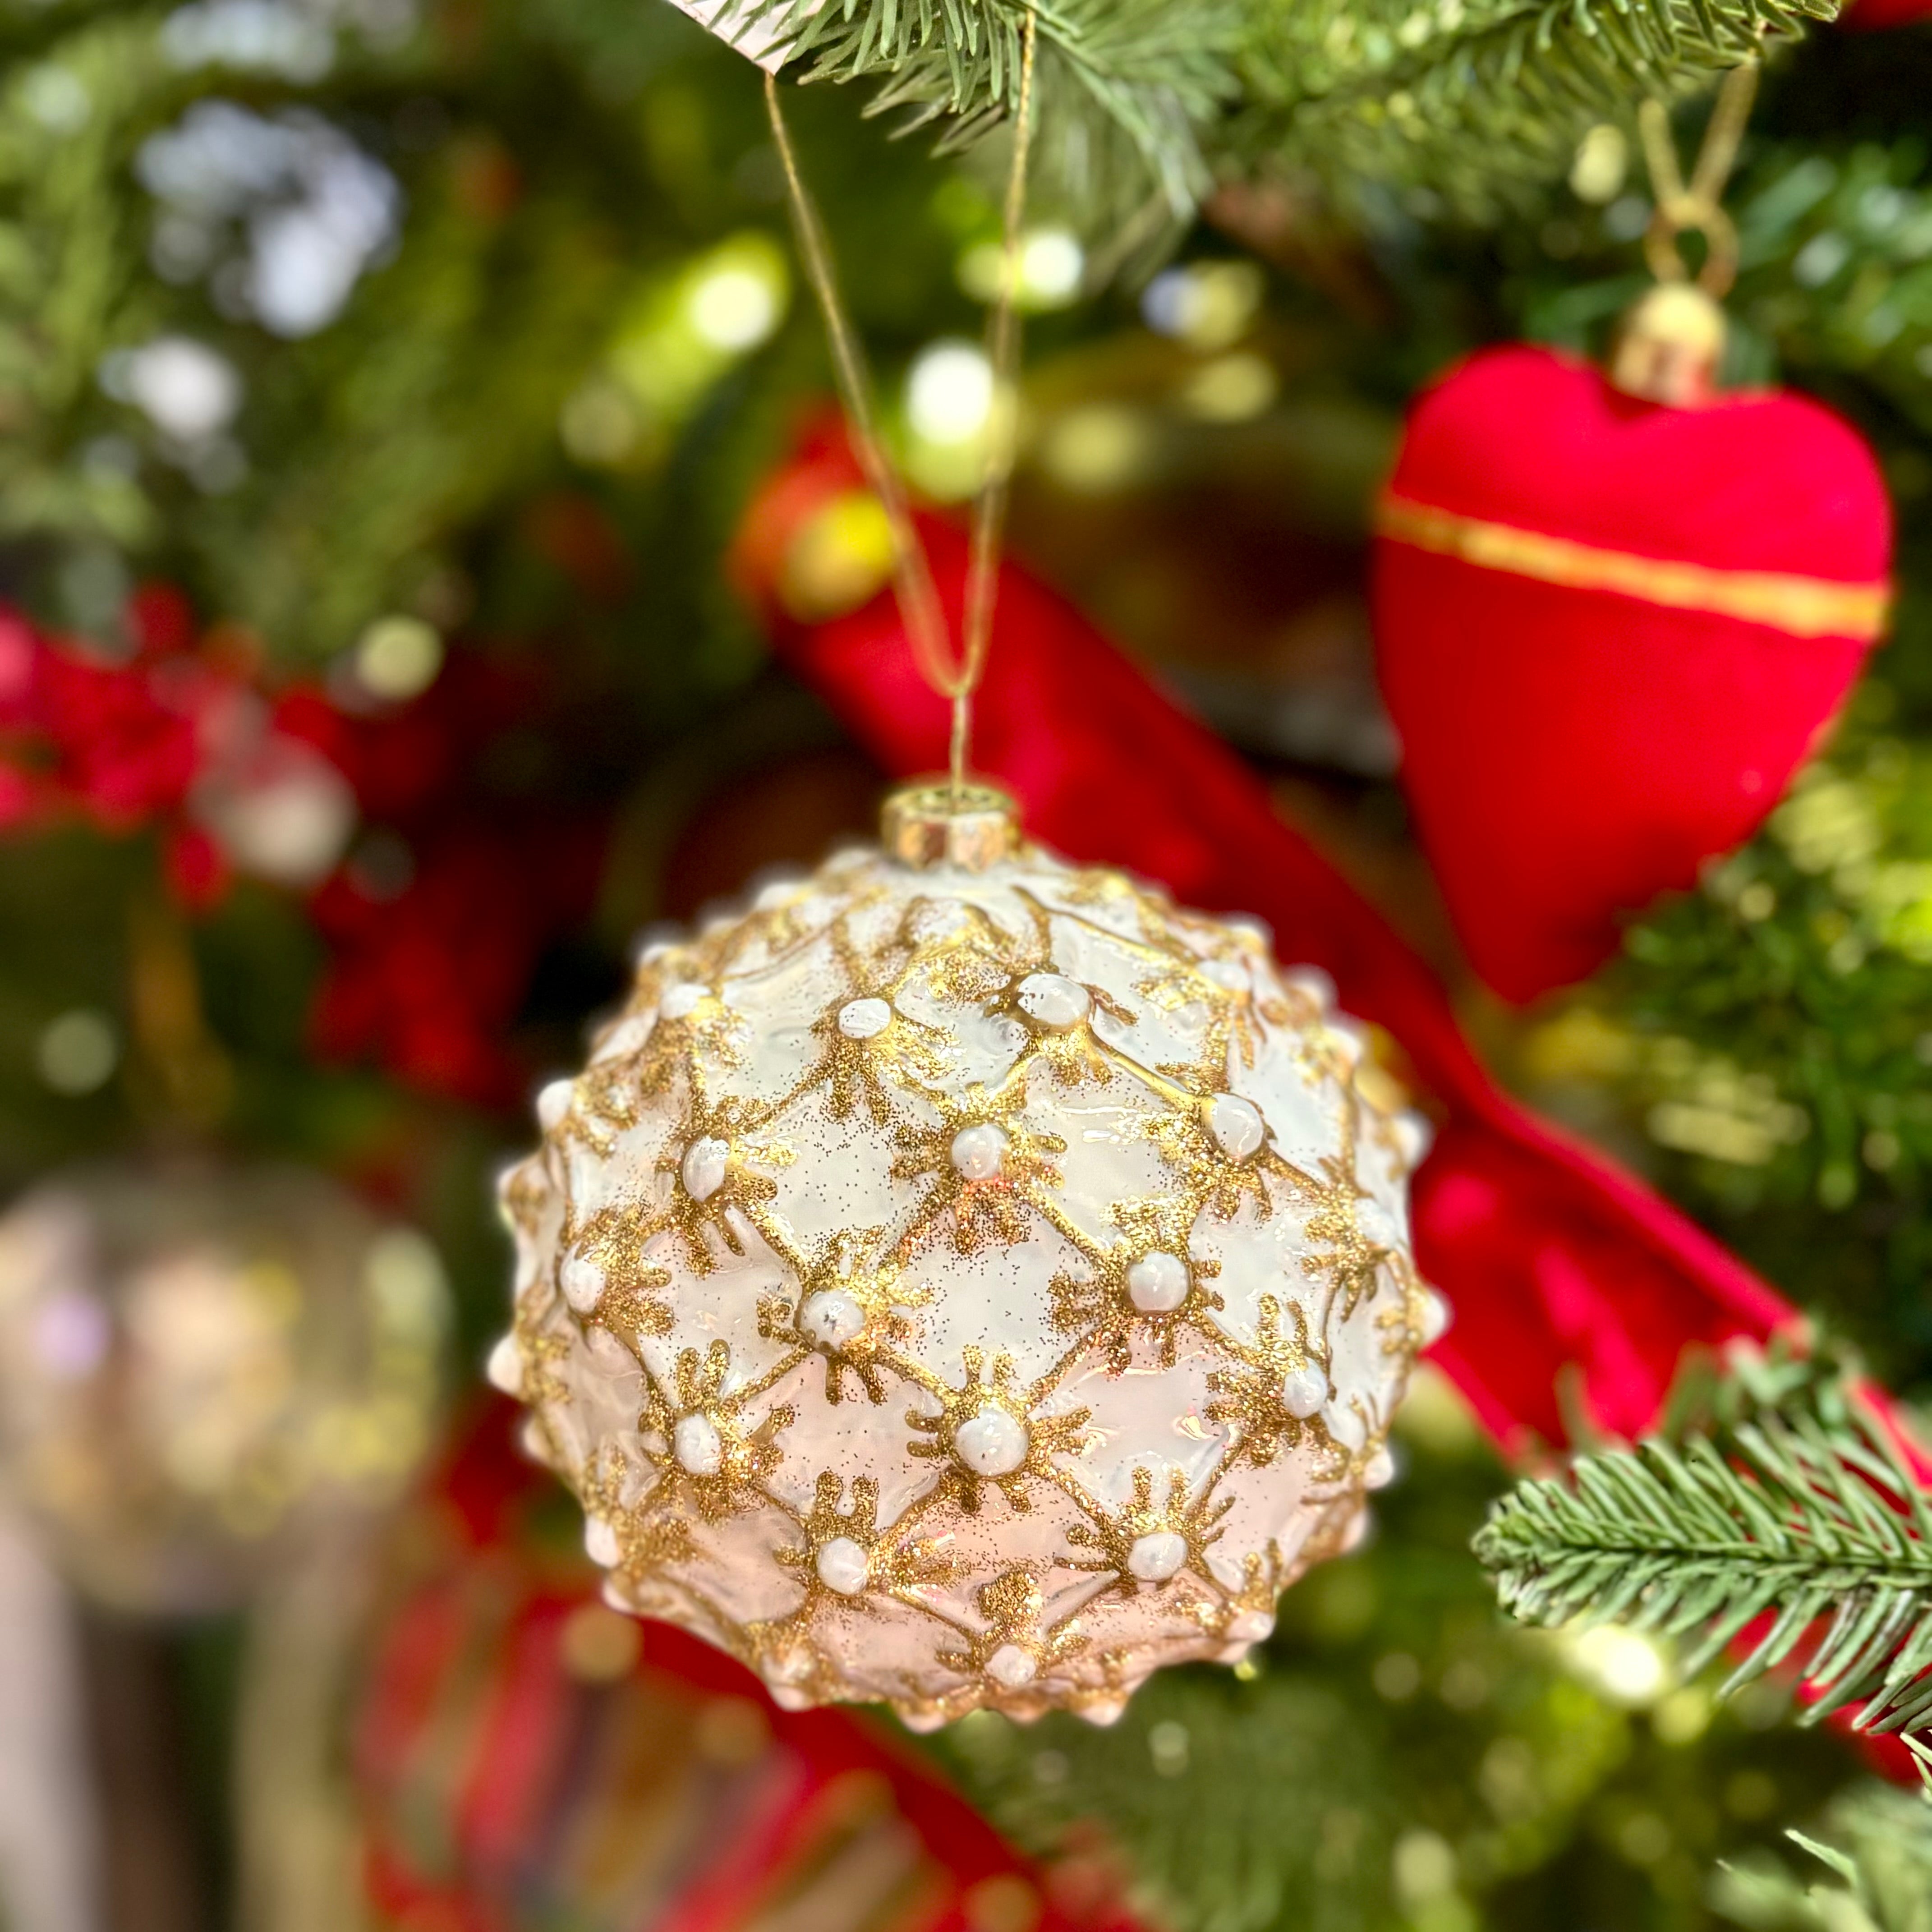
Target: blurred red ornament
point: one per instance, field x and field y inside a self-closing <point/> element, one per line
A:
<point x="429" y="964"/>
<point x="1608" y="630"/>
<point x="527" y="1758"/>
<point x="436" y="925"/>
<point x="172" y="735"/>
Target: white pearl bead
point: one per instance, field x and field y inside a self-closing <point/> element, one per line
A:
<point x="979" y="1153"/>
<point x="1436" y="1316"/>
<point x="553" y="1102"/>
<point x="832" y="1317"/>
<point x="1053" y="1002"/>
<point x="1251" y="1626"/>
<point x="864" y="1019"/>
<point x="1304" y="1390"/>
<point x="1157" y="1283"/>
<point x="680" y="1000"/>
<point x="991" y="1444"/>
<point x="843" y="1565"/>
<point x="1380" y="1472"/>
<point x="1413" y="1136"/>
<point x="699" y="1448"/>
<point x="1157" y="1556"/>
<point x="582" y="1281"/>
<point x="600" y="1543"/>
<point x="703" y="1167"/>
<point x="1236" y="1125"/>
<point x="1011" y="1666"/>
<point x="504" y="1368"/>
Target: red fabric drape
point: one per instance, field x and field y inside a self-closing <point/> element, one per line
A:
<point x="1549" y="1253"/>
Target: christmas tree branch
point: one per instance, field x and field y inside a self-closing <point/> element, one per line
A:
<point x="1794" y="1517"/>
<point x="1481" y="100"/>
<point x="1124" y="84"/>
<point x="1477" y="100"/>
<point x="1879" y="1849"/>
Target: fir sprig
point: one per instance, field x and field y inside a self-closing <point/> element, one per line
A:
<point x="1795" y="1519"/>
<point x="1879" y="1849"/>
<point x="1477" y="103"/>
<point x="1124" y="84"/>
<point x="1471" y="103"/>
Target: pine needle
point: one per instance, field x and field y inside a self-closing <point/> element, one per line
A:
<point x="1795" y="1518"/>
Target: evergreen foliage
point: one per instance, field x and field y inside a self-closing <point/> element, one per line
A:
<point x="1125" y="86"/>
<point x="1878" y="1849"/>
<point x="1798" y="1513"/>
<point x="1466" y="106"/>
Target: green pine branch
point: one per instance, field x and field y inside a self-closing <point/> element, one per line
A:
<point x="1796" y="1519"/>
<point x="1471" y="102"/>
<point x="1879" y="1849"/>
<point x="1476" y="102"/>
<point x="1124" y="86"/>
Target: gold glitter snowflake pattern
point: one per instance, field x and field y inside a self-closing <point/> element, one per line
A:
<point x="708" y="1451"/>
<point x="987" y="1432"/>
<point x="717" y="1190"/>
<point x="1153" y="1542"/>
<point x="1273" y="1394"/>
<point x="847" y="1559"/>
<point x="1151" y="1291"/>
<point x="924" y="1203"/>
<point x="642" y="1539"/>
<point x="611" y="1242"/>
<point x="853" y="1309"/>
<point x="982" y="1165"/>
<point x="1014" y="1648"/>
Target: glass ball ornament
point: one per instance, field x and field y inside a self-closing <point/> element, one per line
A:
<point x="964" y="1279"/>
<point x="202" y="1365"/>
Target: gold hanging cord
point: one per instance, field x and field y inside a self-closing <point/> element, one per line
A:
<point x="954" y="676"/>
<point x="1698" y="205"/>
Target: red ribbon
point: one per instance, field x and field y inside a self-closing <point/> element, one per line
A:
<point x="1549" y="1253"/>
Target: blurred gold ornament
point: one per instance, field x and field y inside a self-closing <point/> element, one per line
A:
<point x="965" y="1280"/>
<point x="199" y="1365"/>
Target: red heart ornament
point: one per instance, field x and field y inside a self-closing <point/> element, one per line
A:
<point x="1608" y="632"/>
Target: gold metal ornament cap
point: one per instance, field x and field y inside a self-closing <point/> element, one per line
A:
<point x="1669" y="346"/>
<point x="932" y="822"/>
